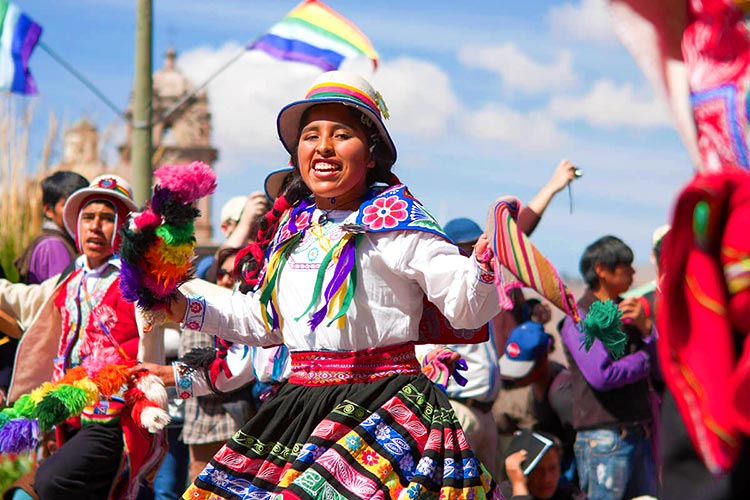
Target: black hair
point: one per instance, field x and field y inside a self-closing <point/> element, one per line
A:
<point x="60" y="185"/>
<point x="222" y="254"/>
<point x="528" y="308"/>
<point x="608" y="251"/>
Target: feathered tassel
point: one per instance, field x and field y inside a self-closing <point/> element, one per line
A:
<point x="52" y="403"/>
<point x="603" y="322"/>
<point x="111" y="378"/>
<point x="158" y="245"/>
<point x="187" y="182"/>
<point x="20" y="434"/>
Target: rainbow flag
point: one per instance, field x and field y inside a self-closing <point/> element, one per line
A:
<point x="314" y="33"/>
<point x="18" y="37"/>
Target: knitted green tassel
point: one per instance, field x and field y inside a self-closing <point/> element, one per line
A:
<point x="603" y="322"/>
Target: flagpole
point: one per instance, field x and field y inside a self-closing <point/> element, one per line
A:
<point x="82" y="79"/>
<point x="200" y="87"/>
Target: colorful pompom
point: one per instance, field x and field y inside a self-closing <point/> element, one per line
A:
<point x="188" y="182"/>
<point x="158" y="245"/>
<point x="111" y="378"/>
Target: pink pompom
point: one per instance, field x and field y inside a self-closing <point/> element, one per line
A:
<point x="147" y="218"/>
<point x="187" y="182"/>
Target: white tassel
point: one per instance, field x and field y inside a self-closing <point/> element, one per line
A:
<point x="154" y="419"/>
<point x="154" y="390"/>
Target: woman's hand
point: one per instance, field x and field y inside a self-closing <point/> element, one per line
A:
<point x="483" y="253"/>
<point x="164" y="372"/>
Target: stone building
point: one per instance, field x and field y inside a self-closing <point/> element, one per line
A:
<point x="81" y="150"/>
<point x="181" y="132"/>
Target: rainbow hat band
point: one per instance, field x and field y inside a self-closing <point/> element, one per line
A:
<point x="107" y="186"/>
<point x="337" y="87"/>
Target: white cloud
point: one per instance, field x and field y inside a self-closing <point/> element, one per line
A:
<point x="587" y="20"/>
<point x="518" y="71"/>
<point x="526" y="131"/>
<point x="247" y="96"/>
<point x="419" y="97"/>
<point x="612" y="106"/>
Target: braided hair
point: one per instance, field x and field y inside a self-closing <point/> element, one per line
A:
<point x="249" y="261"/>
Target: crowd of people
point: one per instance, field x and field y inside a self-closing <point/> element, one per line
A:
<point x="341" y="343"/>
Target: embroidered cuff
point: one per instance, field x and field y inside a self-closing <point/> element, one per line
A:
<point x="483" y="274"/>
<point x="195" y="313"/>
<point x="183" y="379"/>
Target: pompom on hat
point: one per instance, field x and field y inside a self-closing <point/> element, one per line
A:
<point x="341" y="87"/>
<point x="108" y="187"/>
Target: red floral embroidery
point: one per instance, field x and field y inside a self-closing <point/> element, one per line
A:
<point x="369" y="457"/>
<point x="385" y="213"/>
<point x="193" y="325"/>
<point x="196" y="307"/>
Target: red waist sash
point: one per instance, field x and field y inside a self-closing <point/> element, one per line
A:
<point x="316" y="368"/>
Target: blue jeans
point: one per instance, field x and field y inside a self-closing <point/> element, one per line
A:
<point x="615" y="464"/>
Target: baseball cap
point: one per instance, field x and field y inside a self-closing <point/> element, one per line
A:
<point x="232" y="209"/>
<point x="526" y="343"/>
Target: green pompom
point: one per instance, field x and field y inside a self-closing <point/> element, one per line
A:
<point x="24" y="406"/>
<point x="603" y="322"/>
<point x="176" y="235"/>
<point x="6" y="416"/>
<point x="74" y="398"/>
<point x="51" y="411"/>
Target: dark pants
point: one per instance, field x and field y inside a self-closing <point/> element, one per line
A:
<point x="684" y="475"/>
<point x="84" y="467"/>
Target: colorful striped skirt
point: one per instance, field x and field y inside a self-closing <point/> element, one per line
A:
<point x="392" y="437"/>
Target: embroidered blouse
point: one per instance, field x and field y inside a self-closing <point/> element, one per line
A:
<point x="395" y="270"/>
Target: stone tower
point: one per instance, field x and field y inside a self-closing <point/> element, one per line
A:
<point x="181" y="137"/>
<point x="81" y="150"/>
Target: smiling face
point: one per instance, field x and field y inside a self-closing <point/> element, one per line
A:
<point x="333" y="156"/>
<point x="96" y="226"/>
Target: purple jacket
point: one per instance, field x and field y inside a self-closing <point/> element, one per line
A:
<point x="609" y="392"/>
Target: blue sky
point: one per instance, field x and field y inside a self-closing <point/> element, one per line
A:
<point x="485" y="97"/>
